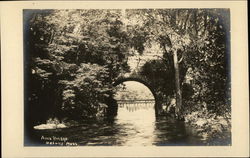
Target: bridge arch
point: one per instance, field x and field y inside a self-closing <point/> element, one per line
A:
<point x="150" y="87"/>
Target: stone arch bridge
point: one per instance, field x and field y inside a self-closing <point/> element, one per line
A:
<point x="135" y="75"/>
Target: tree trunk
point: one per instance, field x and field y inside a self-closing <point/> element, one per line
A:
<point x="177" y="84"/>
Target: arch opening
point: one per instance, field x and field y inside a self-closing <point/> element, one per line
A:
<point x="136" y="111"/>
<point x="157" y="108"/>
<point x="134" y="91"/>
<point x="120" y="81"/>
<point x="138" y="91"/>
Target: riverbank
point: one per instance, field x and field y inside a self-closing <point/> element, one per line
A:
<point x="215" y="129"/>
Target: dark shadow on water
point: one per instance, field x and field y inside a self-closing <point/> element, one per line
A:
<point x="109" y="132"/>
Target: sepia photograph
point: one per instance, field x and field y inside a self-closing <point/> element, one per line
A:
<point x="125" y="77"/>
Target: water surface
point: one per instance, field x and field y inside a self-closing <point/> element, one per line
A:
<point x="135" y="125"/>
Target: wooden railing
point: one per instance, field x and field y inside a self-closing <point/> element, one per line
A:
<point x="141" y="101"/>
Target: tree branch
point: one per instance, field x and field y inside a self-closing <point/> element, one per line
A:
<point x="181" y="59"/>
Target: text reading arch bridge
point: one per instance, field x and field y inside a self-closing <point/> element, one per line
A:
<point x="149" y="86"/>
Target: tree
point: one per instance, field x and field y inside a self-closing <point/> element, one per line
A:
<point x="68" y="50"/>
<point x="200" y="39"/>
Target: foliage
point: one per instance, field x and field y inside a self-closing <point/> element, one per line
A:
<point x="74" y="56"/>
<point x="85" y="95"/>
<point x="212" y="128"/>
<point x="160" y="76"/>
<point x="201" y="38"/>
<point x="208" y="62"/>
<point x="78" y="54"/>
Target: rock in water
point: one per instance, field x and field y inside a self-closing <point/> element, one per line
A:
<point x="45" y="126"/>
<point x="49" y="126"/>
<point x="61" y="125"/>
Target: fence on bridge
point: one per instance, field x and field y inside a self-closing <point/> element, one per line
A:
<point x="132" y="105"/>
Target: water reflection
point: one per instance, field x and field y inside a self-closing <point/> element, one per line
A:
<point x="135" y="125"/>
<point x="139" y="123"/>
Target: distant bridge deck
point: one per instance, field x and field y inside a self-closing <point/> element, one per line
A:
<point x="132" y="105"/>
<point x="139" y="101"/>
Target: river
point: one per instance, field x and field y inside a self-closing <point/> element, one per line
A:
<point x="135" y="125"/>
